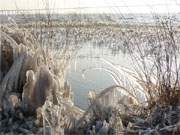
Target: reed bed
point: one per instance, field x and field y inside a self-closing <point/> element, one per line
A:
<point x="36" y="98"/>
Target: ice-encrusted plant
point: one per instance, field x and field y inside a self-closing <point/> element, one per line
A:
<point x="37" y="74"/>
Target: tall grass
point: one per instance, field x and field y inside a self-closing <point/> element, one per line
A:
<point x="158" y="64"/>
<point x="155" y="56"/>
<point x="153" y="78"/>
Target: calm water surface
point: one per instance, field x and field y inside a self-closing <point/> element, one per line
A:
<point x="87" y="58"/>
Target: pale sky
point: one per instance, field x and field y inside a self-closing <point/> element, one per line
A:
<point x="97" y="6"/>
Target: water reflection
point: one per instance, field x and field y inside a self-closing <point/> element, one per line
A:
<point x="89" y="57"/>
<point x="95" y="43"/>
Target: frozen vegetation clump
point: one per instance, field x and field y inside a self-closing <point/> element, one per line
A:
<point x="34" y="96"/>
